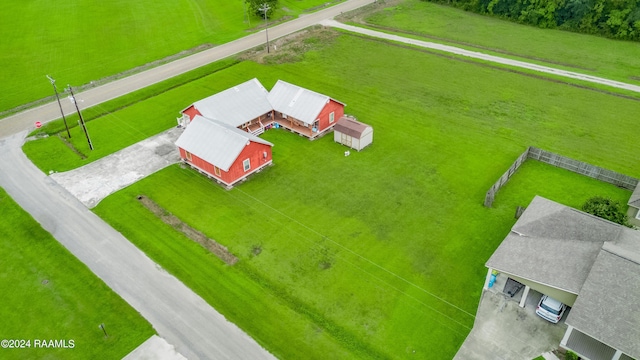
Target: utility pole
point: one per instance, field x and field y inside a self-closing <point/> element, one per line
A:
<point x="246" y="14"/>
<point x="73" y="100"/>
<point x="264" y="8"/>
<point x="53" y="82"/>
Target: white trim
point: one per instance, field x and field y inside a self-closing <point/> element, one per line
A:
<point x="332" y="117"/>
<point x="538" y="282"/>
<point x="617" y="355"/>
<point x="566" y="336"/>
<point x="486" y="280"/>
<point x="246" y="164"/>
<point x="523" y="300"/>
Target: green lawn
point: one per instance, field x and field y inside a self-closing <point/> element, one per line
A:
<point x="86" y="41"/>
<point x="577" y="52"/>
<point x="47" y="294"/>
<point x="381" y="253"/>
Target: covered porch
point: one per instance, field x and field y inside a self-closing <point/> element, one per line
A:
<point x="277" y="120"/>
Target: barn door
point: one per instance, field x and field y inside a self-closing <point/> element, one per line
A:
<point x="346" y="139"/>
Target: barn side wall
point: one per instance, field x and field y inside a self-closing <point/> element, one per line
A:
<point x="338" y="110"/>
<point x="254" y="152"/>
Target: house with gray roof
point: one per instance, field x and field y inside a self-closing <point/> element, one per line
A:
<point x="221" y="151"/>
<point x="588" y="263"/>
<point x="634" y="207"/>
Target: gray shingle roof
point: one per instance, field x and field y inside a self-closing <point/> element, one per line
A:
<point x="608" y="306"/>
<point x="585" y="255"/>
<point x="236" y="105"/>
<point x="300" y="103"/>
<point x="215" y="142"/>
<point x="553" y="244"/>
<point x="634" y="200"/>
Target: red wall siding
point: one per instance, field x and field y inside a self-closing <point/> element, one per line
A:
<point x="334" y="106"/>
<point x="254" y="151"/>
<point x="191" y="111"/>
<point x="203" y="165"/>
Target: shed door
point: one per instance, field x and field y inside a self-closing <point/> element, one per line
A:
<point x="346" y="139"/>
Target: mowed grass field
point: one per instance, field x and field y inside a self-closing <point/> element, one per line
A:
<point x="77" y="42"/>
<point x="381" y="253"/>
<point x="47" y="294"/>
<point x="581" y="53"/>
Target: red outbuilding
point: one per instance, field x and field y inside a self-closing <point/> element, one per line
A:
<point x="221" y="151"/>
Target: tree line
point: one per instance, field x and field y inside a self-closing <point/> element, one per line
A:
<point x="619" y="19"/>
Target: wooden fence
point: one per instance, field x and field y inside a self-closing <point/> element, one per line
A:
<point x="563" y="162"/>
<point x="491" y="194"/>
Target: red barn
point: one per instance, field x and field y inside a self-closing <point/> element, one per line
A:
<point x="244" y="106"/>
<point x="304" y="111"/>
<point x="222" y="151"/>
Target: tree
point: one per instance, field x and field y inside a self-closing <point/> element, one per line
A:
<point x="606" y="209"/>
<point x="255" y="7"/>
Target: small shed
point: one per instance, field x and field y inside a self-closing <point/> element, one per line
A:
<point x="352" y="133"/>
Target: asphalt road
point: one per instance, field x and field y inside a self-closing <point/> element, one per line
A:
<point x="180" y="316"/>
<point x="97" y="95"/>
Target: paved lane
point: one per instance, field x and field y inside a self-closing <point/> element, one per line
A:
<point x="177" y="313"/>
<point x="100" y="94"/>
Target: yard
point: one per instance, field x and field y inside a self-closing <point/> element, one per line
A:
<point x="379" y="254"/>
<point x="44" y="300"/>
<point x="582" y="53"/>
<point x="87" y="41"/>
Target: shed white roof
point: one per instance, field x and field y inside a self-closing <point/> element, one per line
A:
<point x="236" y="105"/>
<point x="297" y="102"/>
<point x="215" y="142"/>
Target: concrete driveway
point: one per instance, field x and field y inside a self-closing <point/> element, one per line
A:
<point x="504" y="330"/>
<point x="99" y="179"/>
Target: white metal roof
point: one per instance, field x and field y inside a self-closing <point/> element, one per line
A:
<point x="236" y="105"/>
<point x="215" y="142"/>
<point x="297" y="102"/>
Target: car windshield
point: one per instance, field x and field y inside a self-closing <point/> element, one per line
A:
<point x="551" y="310"/>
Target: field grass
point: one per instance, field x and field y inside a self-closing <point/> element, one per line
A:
<point x="48" y="294"/>
<point x="381" y="253"/>
<point x="571" y="51"/>
<point x="86" y="42"/>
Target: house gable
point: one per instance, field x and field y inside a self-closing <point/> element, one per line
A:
<point x="300" y="103"/>
<point x="215" y="142"/>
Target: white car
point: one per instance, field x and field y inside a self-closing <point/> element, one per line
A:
<point x="550" y="309"/>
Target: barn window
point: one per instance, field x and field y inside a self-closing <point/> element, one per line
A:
<point x="188" y="155"/>
<point x="246" y="164"/>
<point x="216" y="170"/>
<point x="638" y="215"/>
<point x="332" y="117"/>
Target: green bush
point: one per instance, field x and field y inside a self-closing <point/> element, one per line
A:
<point x="606" y="209"/>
